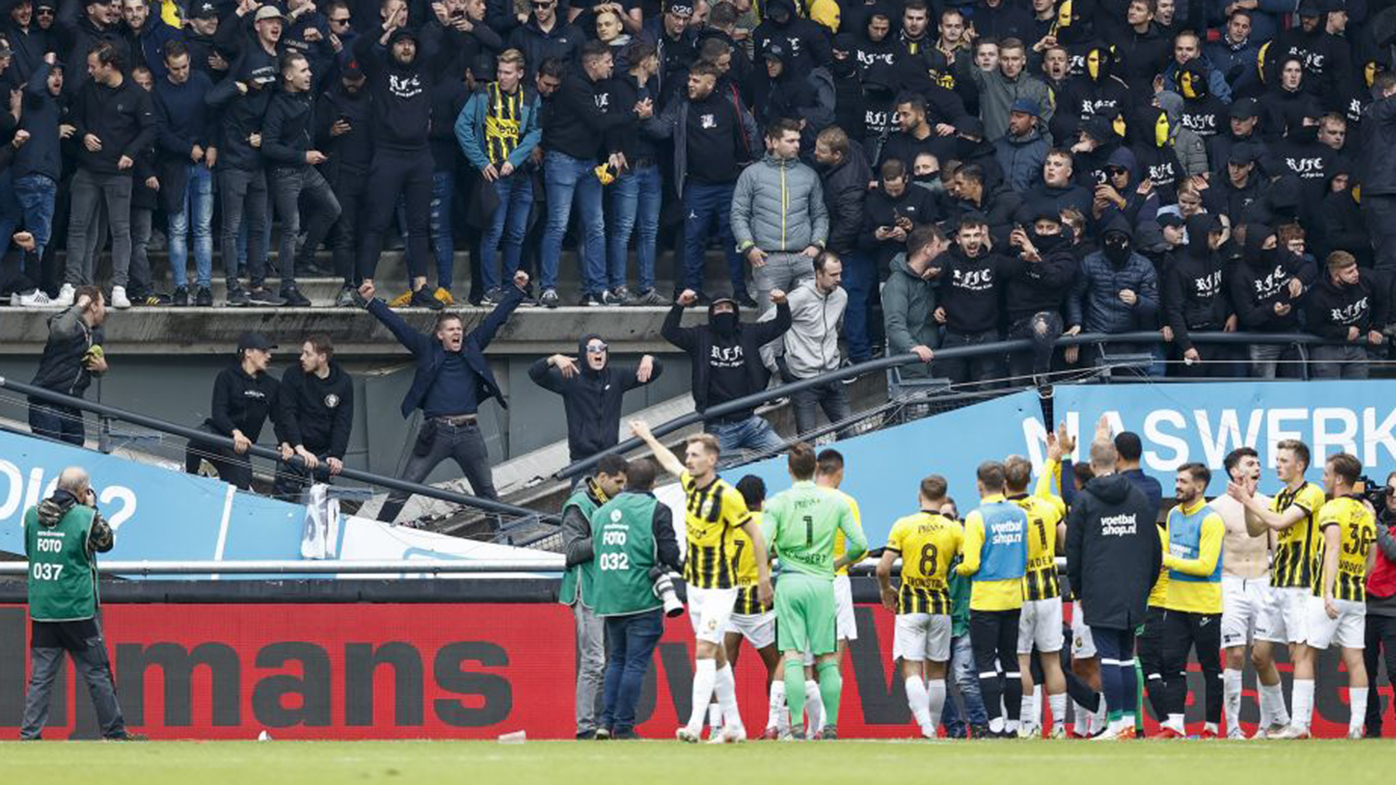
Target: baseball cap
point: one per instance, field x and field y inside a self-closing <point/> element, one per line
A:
<point x="268" y="12"/>
<point x="682" y="8"/>
<point x="1026" y="106"/>
<point x="1244" y="109"/>
<point x="351" y="70"/>
<point x="204" y="10"/>
<point x="1241" y="154"/>
<point x="773" y="52"/>
<point x="1171" y="219"/>
<point x="254" y="341"/>
<point x="1310" y="8"/>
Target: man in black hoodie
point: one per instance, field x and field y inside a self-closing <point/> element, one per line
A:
<point x="970" y="283"/>
<point x="592" y="392"/>
<point x="315" y="416"/>
<point x="343" y="130"/>
<point x="1039" y="279"/>
<point x="1193" y="297"/>
<point x="725" y="357"/>
<point x="244" y="396"/>
<point x="396" y="62"/>
<point x="1113" y="555"/>
<point x="1267" y="288"/>
<point x="288" y="145"/>
<point x="115" y="122"/>
<point x="807" y="44"/>
<point x="1346" y="306"/>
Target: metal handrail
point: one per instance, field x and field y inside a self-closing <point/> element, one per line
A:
<point x="895" y="361"/>
<point x="322" y="473"/>
<point x="290" y="567"/>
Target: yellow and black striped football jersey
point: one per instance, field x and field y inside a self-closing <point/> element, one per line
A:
<point x="744" y="557"/>
<point x="1295" y="547"/>
<point x="713" y="513"/>
<point x="1357" y="531"/>
<point x="928" y="542"/>
<point x="1040" y="581"/>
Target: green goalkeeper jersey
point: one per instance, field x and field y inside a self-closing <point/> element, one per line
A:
<point x="799" y="525"/>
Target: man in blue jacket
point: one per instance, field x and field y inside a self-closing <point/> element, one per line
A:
<point x="452" y="380"/>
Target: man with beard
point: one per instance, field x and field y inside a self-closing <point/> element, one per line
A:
<point x="971" y="281"/>
<point x="918" y="134"/>
<point x="316" y="417"/>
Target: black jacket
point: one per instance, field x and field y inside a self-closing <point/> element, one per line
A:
<point x="239" y="117"/>
<point x="701" y="342"/>
<point x="1331" y="309"/>
<point x="1261" y="281"/>
<point x="591" y="399"/>
<point x="60" y="367"/>
<point x="401" y="93"/>
<point x="845" y="187"/>
<point x="122" y="117"/>
<point x="970" y="290"/>
<point x="1378" y="131"/>
<point x="316" y="413"/>
<point x="1113" y="552"/>
<point x="350" y="153"/>
<point x="1193" y="291"/>
<point x="242" y="402"/>
<point x="1035" y="287"/>
<point x="286" y="130"/>
<point x="578" y="124"/>
<point x="879" y="210"/>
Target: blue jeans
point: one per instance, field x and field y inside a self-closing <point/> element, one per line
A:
<point x="36" y="194"/>
<point x="54" y="421"/>
<point x="967" y="682"/>
<point x="443" y="238"/>
<point x="704" y="203"/>
<point x="753" y="433"/>
<point x="198" y="201"/>
<point x="634" y="203"/>
<point x="568" y="179"/>
<point x="630" y="642"/>
<point x="509" y="224"/>
<point x="860" y="281"/>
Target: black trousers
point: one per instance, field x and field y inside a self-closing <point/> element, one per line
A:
<point x="344" y="236"/>
<point x="232" y="468"/>
<point x="993" y="635"/>
<point x="1183" y="632"/>
<point x="1380" y="642"/>
<point x="1150" y="650"/>
<point x="437" y="441"/>
<point x="393" y="174"/>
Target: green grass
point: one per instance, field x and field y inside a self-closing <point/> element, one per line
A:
<point x="623" y="763"/>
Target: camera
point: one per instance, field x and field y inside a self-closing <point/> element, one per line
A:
<point x="664" y="590"/>
<point x="1373" y="492"/>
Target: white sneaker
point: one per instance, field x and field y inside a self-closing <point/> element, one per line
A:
<point x="1292" y="732"/>
<point x="66" y="295"/>
<point x="1236" y="734"/>
<point x="1110" y="734"/>
<point x="732" y="734"/>
<point x="1029" y="732"/>
<point x="929" y="733"/>
<point x="685" y="735"/>
<point x="1356" y="733"/>
<point x="35" y="299"/>
<point x="118" y="298"/>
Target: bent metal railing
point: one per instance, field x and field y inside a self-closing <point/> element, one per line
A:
<point x="959" y="352"/>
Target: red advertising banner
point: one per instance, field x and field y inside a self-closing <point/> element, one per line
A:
<point x="383" y="671"/>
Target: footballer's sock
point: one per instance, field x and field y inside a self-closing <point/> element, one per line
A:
<point x="1274" y="695"/>
<point x="776" y="707"/>
<point x="936" y="693"/>
<point x="1081" y="720"/>
<point x="1057" y="705"/>
<point x="919" y="701"/>
<point x="714" y="717"/>
<point x="830" y="690"/>
<point x="1175" y="722"/>
<point x="704" y="678"/>
<point x="727" y="698"/>
<point x="1303" y="703"/>
<point x="1129" y="684"/>
<point x="1025" y="710"/>
<point x="1033" y="714"/>
<point x="814" y="704"/>
<point x="1357" y="701"/>
<point x="1231" y="686"/>
<point x="795" y="693"/>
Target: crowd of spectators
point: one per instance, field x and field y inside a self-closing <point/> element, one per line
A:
<point x="916" y="176"/>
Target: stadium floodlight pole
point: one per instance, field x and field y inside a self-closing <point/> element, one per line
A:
<point x="193" y="434"/>
<point x="314" y="567"/>
<point x="893" y="361"/>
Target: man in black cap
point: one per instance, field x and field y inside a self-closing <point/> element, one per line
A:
<point x="1243" y="121"/>
<point x="1326" y="57"/>
<point x="674" y="42"/>
<point x="343" y="130"/>
<point x="1240" y="185"/>
<point x="199" y="35"/>
<point x="244" y="395"/>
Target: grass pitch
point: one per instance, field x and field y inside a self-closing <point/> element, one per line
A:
<point x="623" y="763"/>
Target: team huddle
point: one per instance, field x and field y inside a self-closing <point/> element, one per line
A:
<point x="979" y="605"/>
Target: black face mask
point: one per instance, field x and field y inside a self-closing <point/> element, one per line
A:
<point x="725" y="324"/>
<point x="965" y="147"/>
<point x="1270" y="257"/>
<point x="1045" y="242"/>
<point x="926" y="178"/>
<point x="1116" y="249"/>
<point x="1306" y="134"/>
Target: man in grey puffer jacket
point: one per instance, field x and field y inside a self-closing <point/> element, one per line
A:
<point x="778" y="214"/>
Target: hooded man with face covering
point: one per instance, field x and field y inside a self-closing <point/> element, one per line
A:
<point x="1039" y="279"/>
<point x="592" y="390"/>
<point x="1266" y="289"/>
<point x="1194" y="298"/>
<point x="1154" y="153"/>
<point x="806" y="42"/>
<point x="1116" y="291"/>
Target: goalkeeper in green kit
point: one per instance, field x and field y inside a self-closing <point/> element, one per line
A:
<point x="800" y="524"/>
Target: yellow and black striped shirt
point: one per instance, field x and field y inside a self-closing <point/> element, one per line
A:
<point x="1295" y="547"/>
<point x="928" y="542"/>
<point x="503" y="123"/>
<point x="714" y="513"/>
<point x="1040" y="581"/>
<point x="1357" y="531"/>
<point x="748" y="600"/>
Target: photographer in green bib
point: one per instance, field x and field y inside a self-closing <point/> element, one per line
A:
<point x="634" y="549"/>
<point x="62" y="537"/>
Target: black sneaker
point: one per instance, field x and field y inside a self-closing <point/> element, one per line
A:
<point x="261" y="295"/>
<point x="180" y="297"/>
<point x="744" y="300"/>
<point x="979" y="732"/>
<point x="549" y="299"/>
<point x="293" y="298"/>
<point x="493" y="297"/>
<point x="204" y="297"/>
<point x="617" y="296"/>
<point x="238" y="297"/>
<point x="128" y="737"/>
<point x="347" y="297"/>
<point x="590" y="300"/>
<point x="648" y="297"/>
<point x="425" y="299"/>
